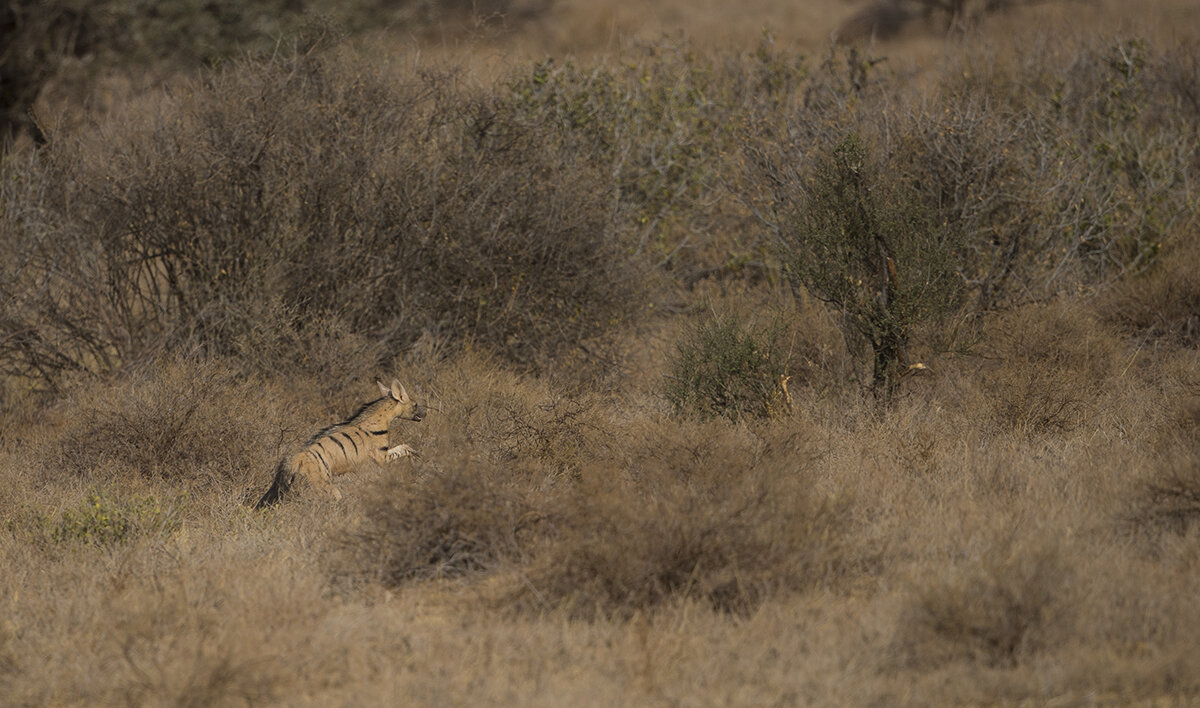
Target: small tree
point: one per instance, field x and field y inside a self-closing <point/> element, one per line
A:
<point x="861" y="239"/>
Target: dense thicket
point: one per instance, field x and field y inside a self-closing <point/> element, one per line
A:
<point x="40" y="38"/>
<point x="275" y="194"/>
<point x="528" y="217"/>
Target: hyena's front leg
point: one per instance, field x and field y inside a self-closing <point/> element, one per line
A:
<point x="401" y="451"/>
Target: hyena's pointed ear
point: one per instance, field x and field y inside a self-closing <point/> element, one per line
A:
<point x="383" y="389"/>
<point x="398" y="391"/>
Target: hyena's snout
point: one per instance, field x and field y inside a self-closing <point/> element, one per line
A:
<point x="418" y="413"/>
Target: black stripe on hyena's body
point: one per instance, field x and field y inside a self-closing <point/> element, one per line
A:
<point x="344" y="429"/>
<point x="347" y="429"/>
<point x="351" y="421"/>
<point x="315" y="450"/>
<point x="349" y="439"/>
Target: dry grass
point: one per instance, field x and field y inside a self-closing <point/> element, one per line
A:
<point x="1052" y="365"/>
<point x="1001" y="605"/>
<point x="1163" y="303"/>
<point x="919" y="553"/>
<point x="1015" y="525"/>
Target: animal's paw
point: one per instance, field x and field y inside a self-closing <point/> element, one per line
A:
<point x="401" y="451"/>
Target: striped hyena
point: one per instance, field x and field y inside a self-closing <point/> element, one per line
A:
<point x="344" y="447"/>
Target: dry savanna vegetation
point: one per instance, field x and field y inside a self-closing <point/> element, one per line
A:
<point x="815" y="353"/>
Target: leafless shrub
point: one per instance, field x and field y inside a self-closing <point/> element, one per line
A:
<point x="1000" y="606"/>
<point x="972" y="162"/>
<point x="1054" y="361"/>
<point x="322" y="353"/>
<point x="1162" y="303"/>
<point x="621" y="547"/>
<point x="41" y="37"/>
<point x="466" y="519"/>
<point x="1170" y="499"/>
<point x="1124" y="174"/>
<point x="666" y="121"/>
<point x="194" y="424"/>
<point x="1178" y="68"/>
<point x="562" y="428"/>
<point x="1036" y="402"/>
<point x="1058" y="174"/>
<point x="403" y="209"/>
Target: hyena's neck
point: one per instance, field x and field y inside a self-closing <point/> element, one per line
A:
<point x="376" y="427"/>
<point x="374" y="416"/>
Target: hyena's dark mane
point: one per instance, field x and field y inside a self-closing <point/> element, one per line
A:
<point x="364" y="408"/>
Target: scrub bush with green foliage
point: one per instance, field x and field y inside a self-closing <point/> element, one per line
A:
<point x="101" y="521"/>
<point x="723" y="367"/>
<point x="863" y="240"/>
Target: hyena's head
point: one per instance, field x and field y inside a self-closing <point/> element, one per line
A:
<point x="403" y="406"/>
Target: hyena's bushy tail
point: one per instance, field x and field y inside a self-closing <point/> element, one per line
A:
<point x="278" y="488"/>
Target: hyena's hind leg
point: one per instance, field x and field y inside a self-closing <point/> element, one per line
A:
<point x="319" y="476"/>
<point x="284" y="476"/>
